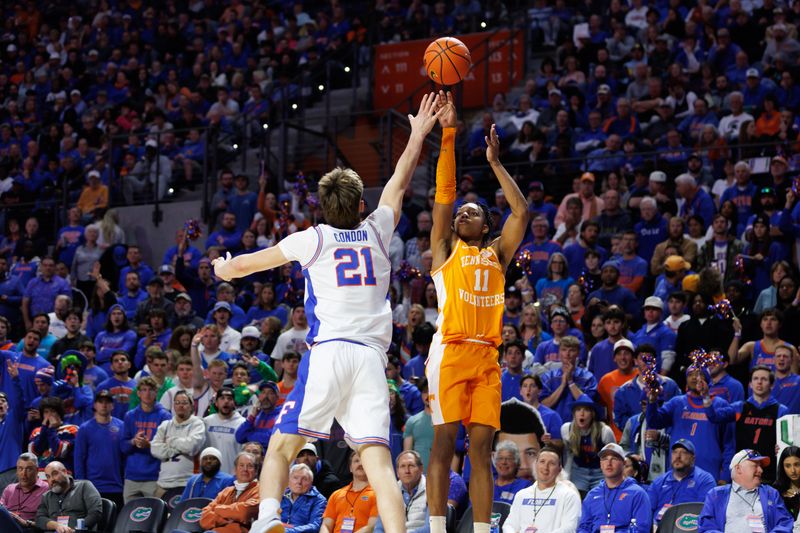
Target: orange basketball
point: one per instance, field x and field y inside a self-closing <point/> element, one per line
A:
<point x="447" y="61"/>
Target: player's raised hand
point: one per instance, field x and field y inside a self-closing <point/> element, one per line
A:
<point x="492" y="146"/>
<point x="222" y="267"/>
<point x="448" y="116"/>
<point x="427" y="115"/>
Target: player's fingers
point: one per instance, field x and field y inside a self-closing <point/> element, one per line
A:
<point x="449" y="97"/>
<point x="424" y="103"/>
<point x="228" y="256"/>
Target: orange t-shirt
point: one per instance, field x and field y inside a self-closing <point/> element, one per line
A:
<point x="607" y="388"/>
<point x="283" y="392"/>
<point x="347" y="503"/>
<point x="470" y="287"/>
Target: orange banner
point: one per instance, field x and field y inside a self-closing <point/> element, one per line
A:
<point x="399" y="70"/>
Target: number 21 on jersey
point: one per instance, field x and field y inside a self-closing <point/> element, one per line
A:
<point x="350" y="264"/>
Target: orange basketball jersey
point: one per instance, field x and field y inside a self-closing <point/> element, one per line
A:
<point x="470" y="287"/>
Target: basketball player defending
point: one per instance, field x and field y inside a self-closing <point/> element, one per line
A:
<point x="469" y="275"/>
<point x="347" y="271"/>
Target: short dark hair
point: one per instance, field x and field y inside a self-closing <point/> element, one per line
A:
<point x="644" y="348"/>
<point x="54" y="403"/>
<point x="766" y="369"/>
<point x="37" y="315"/>
<point x="612" y="312"/>
<point x="678" y="295"/>
<point x="773" y="312"/>
<point x="516" y="342"/>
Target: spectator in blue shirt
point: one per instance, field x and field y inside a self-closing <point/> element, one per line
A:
<point x="131" y="294"/>
<point x="655" y="332"/>
<point x="562" y="386"/>
<point x="629" y="501"/>
<point x="40" y="293"/>
<point x="614" y="293"/>
<point x="135" y="264"/>
<point x="243" y="203"/>
<point x="683" y="483"/>
<point x="302" y="505"/>
<point x="741" y="194"/>
<point x="696" y="200"/>
<point x="97" y="456"/>
<point x="227" y="236"/>
<point x="210" y="481"/>
<point x="11" y="291"/>
<point x="69" y="237"/>
<point x="513" y="356"/>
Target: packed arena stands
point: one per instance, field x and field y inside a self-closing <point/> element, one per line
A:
<point x="651" y="313"/>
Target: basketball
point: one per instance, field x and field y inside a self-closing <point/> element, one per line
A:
<point x="447" y="61"/>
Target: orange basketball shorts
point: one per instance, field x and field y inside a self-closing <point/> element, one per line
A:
<point x="464" y="383"/>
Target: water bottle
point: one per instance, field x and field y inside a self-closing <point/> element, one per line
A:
<point x="80" y="524"/>
<point x="632" y="528"/>
<point x="494" y="523"/>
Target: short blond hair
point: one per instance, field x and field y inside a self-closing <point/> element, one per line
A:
<point x="340" y="192"/>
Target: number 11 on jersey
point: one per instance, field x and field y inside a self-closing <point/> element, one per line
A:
<point x="481" y="273"/>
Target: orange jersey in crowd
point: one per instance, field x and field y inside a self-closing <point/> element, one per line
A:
<point x="470" y="287"/>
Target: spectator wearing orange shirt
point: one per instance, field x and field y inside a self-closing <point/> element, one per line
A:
<point x="291" y="361"/>
<point x="94" y="195"/>
<point x="235" y="508"/>
<point x="354" y="507"/>
<point x="768" y="123"/>
<point x="626" y="371"/>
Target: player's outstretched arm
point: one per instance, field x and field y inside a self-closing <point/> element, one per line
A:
<point x="514" y="228"/>
<point x="421" y="125"/>
<point x="244" y="265"/>
<point x="442" y="214"/>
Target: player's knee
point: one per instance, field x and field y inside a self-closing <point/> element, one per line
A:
<point x="285" y="446"/>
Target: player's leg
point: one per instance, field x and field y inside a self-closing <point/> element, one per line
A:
<point x="438" y="477"/>
<point x="377" y="461"/>
<point x="307" y="412"/>
<point x="482" y="423"/>
<point x="363" y="413"/>
<point x="481" y="483"/>
<point x="283" y="449"/>
<point x="447" y="393"/>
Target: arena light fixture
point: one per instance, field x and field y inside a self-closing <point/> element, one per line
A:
<point x="347" y="69"/>
<point x="265" y="126"/>
<point x="321" y="87"/>
<point x="483" y="24"/>
<point x="294" y="106"/>
<point x="235" y="146"/>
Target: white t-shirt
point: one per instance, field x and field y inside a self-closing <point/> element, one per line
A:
<point x="222" y="436"/>
<point x="347" y="279"/>
<point x="554" y="510"/>
<point x="291" y="340"/>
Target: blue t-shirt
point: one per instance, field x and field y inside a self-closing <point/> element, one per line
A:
<point x="506" y="493"/>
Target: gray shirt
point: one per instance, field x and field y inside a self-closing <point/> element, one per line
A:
<point x="81" y="501"/>
<point x="742" y="503"/>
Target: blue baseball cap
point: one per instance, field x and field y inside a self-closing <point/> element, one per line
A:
<point x="685" y="444"/>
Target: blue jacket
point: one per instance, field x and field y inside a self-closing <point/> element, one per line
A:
<point x="97" y="454"/>
<point x="551" y="381"/>
<point x="624" y="503"/>
<point x="140" y="465"/>
<point x="666" y="490"/>
<point x="305" y="513"/>
<point x="412" y="398"/>
<point x="712" y="518"/>
<point x="259" y="428"/>
<point x="107" y="343"/>
<point x="687" y="418"/>
<point x="628" y="399"/>
<point x="787" y="391"/>
<point x="12" y="427"/>
<point x="660" y="336"/>
<point x="197" y="488"/>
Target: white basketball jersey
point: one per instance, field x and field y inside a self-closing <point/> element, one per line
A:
<point x="347" y="279"/>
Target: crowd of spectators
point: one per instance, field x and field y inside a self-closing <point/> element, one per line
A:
<point x="657" y="146"/>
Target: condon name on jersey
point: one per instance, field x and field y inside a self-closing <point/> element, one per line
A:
<point x="347" y="274"/>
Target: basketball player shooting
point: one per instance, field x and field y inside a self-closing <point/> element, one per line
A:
<point x="469" y="275"/>
<point x="347" y="271"/>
